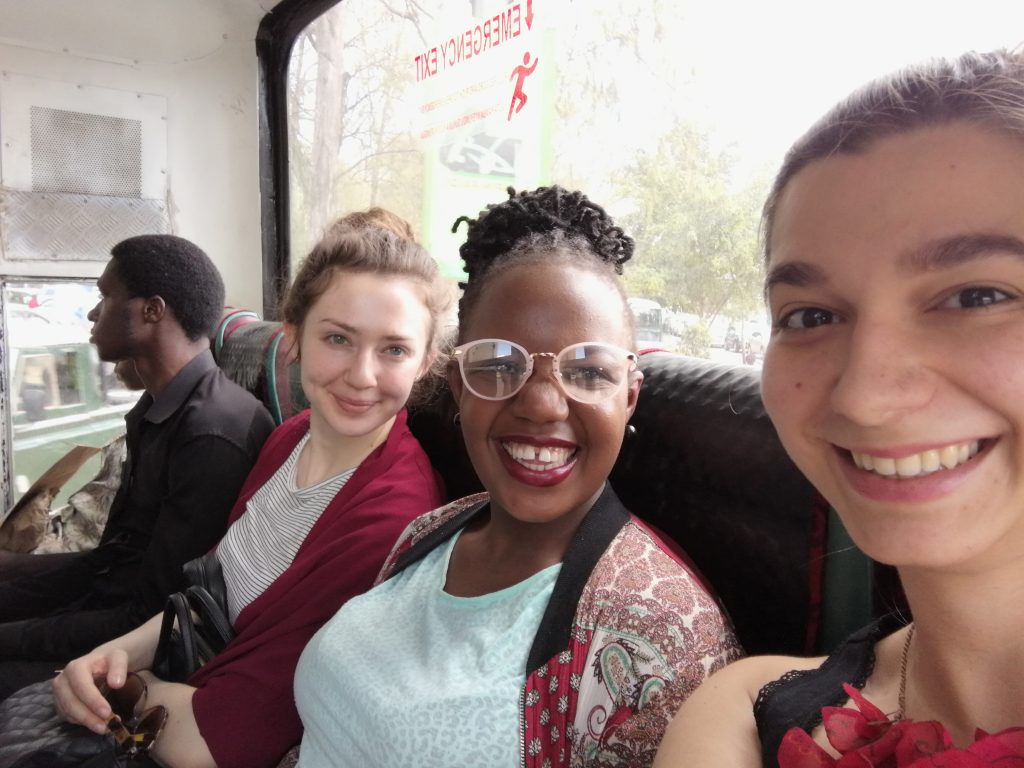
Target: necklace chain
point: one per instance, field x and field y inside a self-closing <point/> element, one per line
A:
<point x="903" y="674"/>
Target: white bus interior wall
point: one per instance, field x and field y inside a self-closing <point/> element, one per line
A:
<point x="189" y="64"/>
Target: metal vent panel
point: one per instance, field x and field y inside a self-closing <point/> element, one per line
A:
<point x="85" y="153"/>
<point x="36" y="226"/>
<point x="79" y="138"/>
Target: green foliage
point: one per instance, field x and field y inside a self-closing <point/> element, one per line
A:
<point x="692" y="228"/>
<point x="643" y="280"/>
<point x="350" y="142"/>
<point x="695" y="340"/>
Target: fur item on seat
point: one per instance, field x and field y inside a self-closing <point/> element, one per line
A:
<point x="32" y="527"/>
<point x="78" y="525"/>
<point x="24" y="529"/>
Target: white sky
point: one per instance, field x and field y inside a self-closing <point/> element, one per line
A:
<point x="786" y="62"/>
<point x="754" y="74"/>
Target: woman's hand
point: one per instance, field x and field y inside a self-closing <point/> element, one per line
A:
<point x="76" y="691"/>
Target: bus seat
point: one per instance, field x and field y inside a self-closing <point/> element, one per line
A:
<point x="705" y="467"/>
<point x="253" y="354"/>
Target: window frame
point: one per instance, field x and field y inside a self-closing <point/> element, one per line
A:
<point x="275" y="39"/>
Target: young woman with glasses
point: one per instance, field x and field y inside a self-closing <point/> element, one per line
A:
<point x="895" y="256"/>
<point x="539" y="623"/>
<point x="330" y="492"/>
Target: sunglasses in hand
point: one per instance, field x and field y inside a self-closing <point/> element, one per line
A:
<point x="134" y="734"/>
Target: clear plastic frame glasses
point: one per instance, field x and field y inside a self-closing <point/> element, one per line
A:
<point x="588" y="372"/>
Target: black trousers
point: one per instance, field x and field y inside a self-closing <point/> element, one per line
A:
<point x="34" y="586"/>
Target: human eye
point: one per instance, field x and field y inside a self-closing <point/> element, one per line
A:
<point x="496" y="377"/>
<point x="806" y="318"/>
<point x="397" y="351"/>
<point x="976" y="297"/>
<point x="337" y="339"/>
<point x="589" y="376"/>
<point x="501" y="367"/>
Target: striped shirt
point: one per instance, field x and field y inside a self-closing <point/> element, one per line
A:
<point x="261" y="544"/>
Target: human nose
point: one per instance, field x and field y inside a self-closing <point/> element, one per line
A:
<point x="882" y="375"/>
<point x="541" y="397"/>
<point x="363" y="370"/>
<point x="94" y="313"/>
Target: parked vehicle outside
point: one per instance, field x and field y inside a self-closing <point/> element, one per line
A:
<point x="61" y="395"/>
<point x="649" y="316"/>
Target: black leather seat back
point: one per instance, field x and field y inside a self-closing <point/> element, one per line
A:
<point x="706" y="467"/>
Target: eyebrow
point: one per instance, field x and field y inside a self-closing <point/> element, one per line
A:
<point x="952" y="251"/>
<point x="353" y="331"/>
<point x="941" y="254"/>
<point x="795" y="273"/>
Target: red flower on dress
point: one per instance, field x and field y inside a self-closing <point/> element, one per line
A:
<point x="866" y="738"/>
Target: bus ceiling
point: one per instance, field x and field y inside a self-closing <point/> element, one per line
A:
<point x="136" y="33"/>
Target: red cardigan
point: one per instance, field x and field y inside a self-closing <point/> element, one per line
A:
<point x="244" y="705"/>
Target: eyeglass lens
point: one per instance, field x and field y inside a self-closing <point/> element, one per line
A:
<point x="125" y="699"/>
<point x="133" y="734"/>
<point x="588" y="372"/>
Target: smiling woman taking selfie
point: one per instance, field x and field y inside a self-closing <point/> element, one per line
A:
<point x="895" y="258"/>
<point x="539" y="623"/>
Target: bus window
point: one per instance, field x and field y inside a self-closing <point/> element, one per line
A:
<point x="61" y="394"/>
<point x="70" y="375"/>
<point x="673" y="115"/>
<point x="649" y="320"/>
<point x="36" y="386"/>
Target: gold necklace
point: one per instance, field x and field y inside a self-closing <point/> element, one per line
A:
<point x="903" y="675"/>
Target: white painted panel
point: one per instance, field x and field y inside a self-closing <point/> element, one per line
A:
<point x="198" y="56"/>
<point x="20" y="92"/>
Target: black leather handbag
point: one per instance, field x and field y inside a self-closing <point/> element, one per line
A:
<point x="195" y="625"/>
<point x="33" y="735"/>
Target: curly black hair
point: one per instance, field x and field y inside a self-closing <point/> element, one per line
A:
<point x="493" y="235"/>
<point x="179" y="272"/>
<point x="542" y="225"/>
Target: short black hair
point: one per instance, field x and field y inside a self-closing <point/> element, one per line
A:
<point x="179" y="272"/>
<point x="549" y="224"/>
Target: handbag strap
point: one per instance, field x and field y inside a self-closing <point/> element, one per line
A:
<point x="214" y="626"/>
<point x="207" y="572"/>
<point x="177" y="610"/>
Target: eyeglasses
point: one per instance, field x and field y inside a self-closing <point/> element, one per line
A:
<point x="589" y="372"/>
<point x="133" y="734"/>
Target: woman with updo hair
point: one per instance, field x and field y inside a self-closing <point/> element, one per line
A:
<point x="538" y="623"/>
<point x="332" y="488"/>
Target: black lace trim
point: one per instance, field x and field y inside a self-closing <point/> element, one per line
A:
<point x="796" y="698"/>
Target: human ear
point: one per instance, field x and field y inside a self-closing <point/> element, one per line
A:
<point x="454" y="380"/>
<point x="636" y="379"/>
<point x="291" y="341"/>
<point x="153" y="309"/>
<point x="428" y="362"/>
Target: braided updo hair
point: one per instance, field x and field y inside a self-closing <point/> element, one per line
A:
<point x="549" y="225"/>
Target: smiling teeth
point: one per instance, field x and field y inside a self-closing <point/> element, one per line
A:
<point x="917" y="464"/>
<point x="534" y="457"/>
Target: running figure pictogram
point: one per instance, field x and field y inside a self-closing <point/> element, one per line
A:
<point x="520" y="74"/>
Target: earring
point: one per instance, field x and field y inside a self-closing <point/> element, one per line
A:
<point x="630" y="430"/>
<point x="457" y="418"/>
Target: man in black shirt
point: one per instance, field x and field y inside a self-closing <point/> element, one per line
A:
<point x="192" y="439"/>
